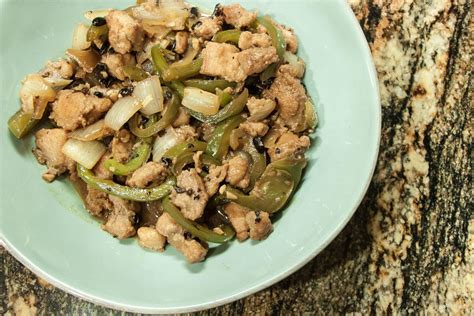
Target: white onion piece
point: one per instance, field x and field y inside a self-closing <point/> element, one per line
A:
<point x="296" y="63"/>
<point x="165" y="142"/>
<point x="79" y="38"/>
<point x="150" y="94"/>
<point x="200" y="101"/>
<point x="91" y="132"/>
<point x="310" y="115"/>
<point x="56" y="82"/>
<point x="35" y="93"/>
<point x="170" y="13"/>
<point x="91" y="15"/>
<point x="121" y="112"/>
<point x="84" y="153"/>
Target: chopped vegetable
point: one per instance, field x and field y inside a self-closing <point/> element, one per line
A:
<point x="91" y="132"/>
<point x="86" y="59"/>
<point x="219" y="142"/>
<point x="134" y="73"/>
<point x="182" y="148"/>
<point x="122" y="111"/>
<point x="100" y="32"/>
<point x="164" y="143"/>
<point x="139" y="155"/>
<point x="232" y="36"/>
<point x="200" y="101"/>
<point x="150" y="94"/>
<point x="310" y="115"/>
<point x="187" y="158"/>
<point x="79" y="38"/>
<point x="35" y="94"/>
<point x="21" y="123"/>
<point x="209" y="85"/>
<point x="182" y="71"/>
<point x="276" y="35"/>
<point x="85" y="153"/>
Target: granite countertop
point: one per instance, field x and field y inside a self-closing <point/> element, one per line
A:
<point x="410" y="246"/>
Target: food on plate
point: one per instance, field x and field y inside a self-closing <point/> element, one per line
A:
<point x="175" y="126"/>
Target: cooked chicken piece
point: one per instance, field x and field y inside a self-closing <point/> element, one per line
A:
<point x="290" y="96"/>
<point x="120" y="222"/>
<point x="61" y="68"/>
<point x="100" y="171"/>
<point x="186" y="133"/>
<point x="290" y="38"/>
<point x="205" y="131"/>
<point x="255" y="60"/>
<point x="125" y="33"/>
<point x="75" y="109"/>
<point x="254" y="128"/>
<point x="248" y="40"/>
<point x="237" y="16"/>
<point x="150" y="238"/>
<point x="260" y="108"/>
<point x="260" y="225"/>
<point x="97" y="201"/>
<point x="297" y="70"/>
<point x="182" y="118"/>
<point x="143" y="176"/>
<point x="289" y="145"/>
<point x="190" y="195"/>
<point x="236" y="214"/>
<point x="190" y="248"/>
<point x="122" y="145"/>
<point x="207" y="27"/>
<point x="116" y="62"/>
<point x="181" y="42"/>
<point x="225" y="60"/>
<point x="216" y="175"/>
<point x="238" y="173"/>
<point x="49" y="144"/>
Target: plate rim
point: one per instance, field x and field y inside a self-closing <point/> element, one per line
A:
<point x="249" y="291"/>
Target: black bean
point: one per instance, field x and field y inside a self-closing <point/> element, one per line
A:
<point x="168" y="95"/>
<point x="205" y="168"/>
<point x="188" y="235"/>
<point x="258" y="219"/>
<point x="190" y="192"/>
<point x="126" y="91"/>
<point x="166" y="161"/>
<point x="75" y="83"/>
<point x="99" y="94"/>
<point x="104" y="48"/>
<point x="277" y="151"/>
<point x="197" y="24"/>
<point x="217" y="10"/>
<point x="101" y="67"/>
<point x="258" y="143"/>
<point x="194" y="11"/>
<point x="99" y="21"/>
<point x="190" y="146"/>
<point x="85" y="90"/>
<point x="179" y="190"/>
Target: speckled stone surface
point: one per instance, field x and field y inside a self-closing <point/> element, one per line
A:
<point x="410" y="247"/>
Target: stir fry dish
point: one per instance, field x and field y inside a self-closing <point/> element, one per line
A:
<point x="176" y="126"/>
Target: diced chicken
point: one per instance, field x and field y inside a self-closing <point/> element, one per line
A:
<point x="190" y="248"/>
<point x="297" y="70"/>
<point x="248" y="40"/>
<point x="186" y="133"/>
<point x="182" y="118"/>
<point x="237" y="16"/>
<point x="49" y="144"/>
<point x="236" y="214"/>
<point x="207" y="27"/>
<point x="290" y="38"/>
<point x="116" y="62"/>
<point x="100" y="171"/>
<point x="255" y="60"/>
<point x="291" y="97"/>
<point x="260" y="225"/>
<point x="289" y="145"/>
<point x="150" y="238"/>
<point x="97" y="201"/>
<point x="225" y="60"/>
<point x="255" y="128"/>
<point x="238" y="173"/>
<point x="122" y="145"/>
<point x="181" y="42"/>
<point x="120" y="222"/>
<point x="216" y="175"/>
<point x="143" y="176"/>
<point x="125" y="33"/>
<point x="61" y="68"/>
<point x="190" y="195"/>
<point x="260" y="108"/>
<point x="75" y="109"/>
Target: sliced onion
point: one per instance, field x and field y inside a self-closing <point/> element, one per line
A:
<point x="91" y="15"/>
<point x="87" y="59"/>
<point x="170" y="13"/>
<point x="165" y="142"/>
<point x="296" y="63"/>
<point x="310" y="115"/>
<point x="35" y="94"/>
<point x="150" y="94"/>
<point x="263" y="111"/>
<point x="91" y="132"/>
<point x="200" y="101"/>
<point x="84" y="153"/>
<point x="188" y="57"/>
<point x="56" y="82"/>
<point x="79" y="38"/>
<point x="121" y="112"/>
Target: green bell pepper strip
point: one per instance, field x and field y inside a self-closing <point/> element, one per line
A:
<point x="139" y="156"/>
<point x="98" y="32"/>
<point x="135" y="73"/>
<point x="224" y="97"/>
<point x="181" y="72"/>
<point x="233" y="108"/>
<point x="274" y="189"/>
<point x="166" y="120"/>
<point x="182" y="148"/>
<point x="277" y="37"/>
<point x="21" y="123"/>
<point x="195" y="229"/>
<point x="187" y="158"/>
<point x="125" y="192"/>
<point x="219" y="141"/>
<point x="232" y="36"/>
<point x="209" y="85"/>
<point x="258" y="166"/>
<point x="161" y="66"/>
